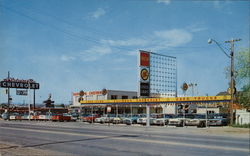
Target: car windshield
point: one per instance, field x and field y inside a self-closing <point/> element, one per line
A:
<point x="199" y="116"/>
<point x="168" y="116"/>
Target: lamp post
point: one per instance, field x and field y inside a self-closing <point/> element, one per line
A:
<point x="232" y="81"/>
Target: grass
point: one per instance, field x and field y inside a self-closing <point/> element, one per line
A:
<point x="241" y="126"/>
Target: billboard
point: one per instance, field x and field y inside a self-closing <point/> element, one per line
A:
<point x="144" y="58"/>
<point x="144" y="72"/>
<point x="16" y="83"/>
<point x="157" y="75"/>
<point x="22" y="92"/>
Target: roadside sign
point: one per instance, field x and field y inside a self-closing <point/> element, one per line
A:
<point x="108" y="109"/>
<point x="22" y="92"/>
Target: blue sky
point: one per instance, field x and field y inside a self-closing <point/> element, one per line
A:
<point x="72" y="45"/>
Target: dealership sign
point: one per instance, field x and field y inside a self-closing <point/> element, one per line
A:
<point x="144" y="84"/>
<point x="144" y="89"/>
<point x="16" y="83"/>
<point x="22" y="92"/>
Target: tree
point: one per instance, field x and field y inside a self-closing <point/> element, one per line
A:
<point x="242" y="72"/>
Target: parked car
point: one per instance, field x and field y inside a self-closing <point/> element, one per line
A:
<point x="118" y="119"/>
<point x="61" y="117"/>
<point x="5" y="116"/>
<point x="199" y="120"/>
<point x="143" y="120"/>
<point x="15" y="116"/>
<point x="163" y="120"/>
<point x="90" y="118"/>
<point x="109" y="118"/>
<point x="106" y="118"/>
<point x="131" y="119"/>
<point x="179" y="120"/>
<point x="99" y="120"/>
<point x="75" y="115"/>
<point x="218" y="120"/>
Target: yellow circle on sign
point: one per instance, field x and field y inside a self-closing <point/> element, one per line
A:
<point x="144" y="74"/>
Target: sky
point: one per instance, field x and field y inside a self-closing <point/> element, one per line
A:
<point x="73" y="45"/>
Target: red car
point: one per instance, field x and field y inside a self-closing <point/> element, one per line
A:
<point x="60" y="117"/>
<point x="90" y="118"/>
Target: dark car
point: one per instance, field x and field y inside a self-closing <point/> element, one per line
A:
<point x="218" y="120"/>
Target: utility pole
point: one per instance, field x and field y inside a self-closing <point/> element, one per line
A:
<point x="8" y="109"/>
<point x="232" y="89"/>
<point x="232" y="81"/>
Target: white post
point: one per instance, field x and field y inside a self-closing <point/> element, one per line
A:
<point x="206" y="114"/>
<point x="184" y="116"/>
<point x="29" y="99"/>
<point x="116" y="110"/>
<point x="131" y="110"/>
<point x="148" y="114"/>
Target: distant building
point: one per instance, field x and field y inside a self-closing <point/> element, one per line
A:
<point x="99" y="95"/>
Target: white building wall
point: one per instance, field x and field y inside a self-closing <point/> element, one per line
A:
<point x="169" y="108"/>
<point x="99" y="96"/>
<point x="242" y="117"/>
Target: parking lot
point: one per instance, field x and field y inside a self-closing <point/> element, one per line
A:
<point x="180" y="120"/>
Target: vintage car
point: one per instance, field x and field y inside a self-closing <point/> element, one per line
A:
<point x="90" y="118"/>
<point x="119" y="118"/>
<point x="163" y="120"/>
<point x="107" y="118"/>
<point x="61" y="117"/>
<point x="131" y="119"/>
<point x="15" y="116"/>
<point x="5" y="116"/>
<point x="179" y="120"/>
<point x="143" y="120"/>
<point x="218" y="120"/>
<point x="199" y="120"/>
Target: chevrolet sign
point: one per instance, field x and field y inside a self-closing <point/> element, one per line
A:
<point x="24" y="85"/>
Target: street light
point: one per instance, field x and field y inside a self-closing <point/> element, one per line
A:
<point x="232" y="82"/>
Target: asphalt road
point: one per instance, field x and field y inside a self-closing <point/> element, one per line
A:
<point x="85" y="139"/>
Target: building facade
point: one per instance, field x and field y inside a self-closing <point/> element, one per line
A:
<point x="99" y="95"/>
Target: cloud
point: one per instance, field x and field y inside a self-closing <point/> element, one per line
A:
<point x="159" y="40"/>
<point x="172" y="38"/>
<point x="98" y="13"/>
<point x="67" y="58"/>
<point x="164" y="1"/>
<point x="129" y="42"/>
<point x="95" y="53"/>
<point x="197" y="27"/>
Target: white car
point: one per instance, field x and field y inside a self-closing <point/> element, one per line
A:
<point x="179" y="121"/>
<point x="164" y="120"/>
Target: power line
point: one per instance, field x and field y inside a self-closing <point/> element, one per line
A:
<point x="87" y="38"/>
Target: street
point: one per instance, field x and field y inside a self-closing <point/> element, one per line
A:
<point x="86" y="139"/>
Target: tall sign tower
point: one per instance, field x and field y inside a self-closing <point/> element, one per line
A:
<point x="144" y="71"/>
<point x="158" y="75"/>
